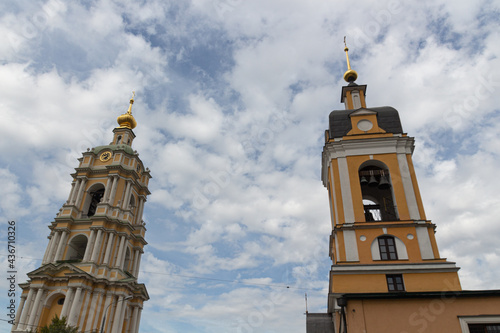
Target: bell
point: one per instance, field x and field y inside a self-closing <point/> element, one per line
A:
<point x="363" y="180"/>
<point x="373" y="181"/>
<point x="384" y="183"/>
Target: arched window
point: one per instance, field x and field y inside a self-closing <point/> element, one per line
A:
<point x="376" y="189"/>
<point x="95" y="199"/>
<point x="76" y="248"/>
<point x="131" y="204"/>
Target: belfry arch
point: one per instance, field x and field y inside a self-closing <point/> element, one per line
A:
<point x="377" y="193"/>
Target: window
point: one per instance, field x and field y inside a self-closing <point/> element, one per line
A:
<point x="484" y="328"/>
<point x="387" y="248"/>
<point x="60" y="301"/>
<point x="395" y="282"/>
<point x="480" y="324"/>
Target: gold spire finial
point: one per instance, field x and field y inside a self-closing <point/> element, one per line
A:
<point x="131" y="102"/>
<point x="127" y="120"/>
<point x="350" y="75"/>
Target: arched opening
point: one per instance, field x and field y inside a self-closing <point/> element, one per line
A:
<point x="94" y="196"/>
<point x="131" y="204"/>
<point x="76" y="247"/>
<point x="53" y="305"/>
<point x="126" y="262"/>
<point x="376" y="189"/>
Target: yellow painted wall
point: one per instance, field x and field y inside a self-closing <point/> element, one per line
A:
<point x="49" y="312"/>
<point x="415" y="187"/>
<point x="429" y="315"/>
<point x="338" y="191"/>
<point x="444" y="281"/>
<point x="363" y="283"/>
<point x="358" y="283"/>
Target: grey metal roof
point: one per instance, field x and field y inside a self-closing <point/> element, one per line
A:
<point x="319" y="323"/>
<point x="387" y="117"/>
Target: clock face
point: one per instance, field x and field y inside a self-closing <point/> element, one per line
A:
<point x="105" y="156"/>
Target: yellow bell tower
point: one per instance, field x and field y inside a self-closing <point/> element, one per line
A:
<point x="90" y="268"/>
<point x="381" y="239"/>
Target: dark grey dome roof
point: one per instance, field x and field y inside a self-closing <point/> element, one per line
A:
<point x="387" y="117"/>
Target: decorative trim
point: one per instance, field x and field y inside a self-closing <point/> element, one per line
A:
<point x="484" y="319"/>
<point x="394" y="268"/>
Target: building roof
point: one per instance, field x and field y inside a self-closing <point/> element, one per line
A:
<point x="319" y="323"/>
<point x="387" y="117"/>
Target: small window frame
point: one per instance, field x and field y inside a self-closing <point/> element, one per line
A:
<point x="395" y="283"/>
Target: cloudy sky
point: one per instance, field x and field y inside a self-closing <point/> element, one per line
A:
<point x="232" y="101"/>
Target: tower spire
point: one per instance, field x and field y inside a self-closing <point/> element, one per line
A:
<point x="127" y="120"/>
<point x="350" y="75"/>
<point x="129" y="111"/>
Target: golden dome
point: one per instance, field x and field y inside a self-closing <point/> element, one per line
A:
<point x="350" y="75"/>
<point x="127" y="120"/>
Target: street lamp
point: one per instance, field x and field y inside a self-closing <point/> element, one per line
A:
<point x="106" y="310"/>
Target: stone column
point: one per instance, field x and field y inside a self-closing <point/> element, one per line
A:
<point x="140" y="209"/>
<point x="107" y="305"/>
<point x="133" y="321"/>
<point x="71" y="192"/>
<point x="108" y="249"/>
<point x="136" y="261"/>
<point x="75" y="307"/>
<point x="120" y="252"/>
<point x="90" y="246"/>
<point x="126" y="198"/>
<point x="122" y="316"/>
<point x="53" y="246"/>
<point x="95" y="252"/>
<point x="118" y="312"/>
<point x="105" y="236"/>
<point x="107" y="190"/>
<point x="92" y="310"/>
<point x="26" y="309"/>
<point x="19" y="311"/>
<point x="113" y="190"/>
<point x="47" y="251"/>
<point x="99" y="309"/>
<point x="34" y="309"/>
<point x="136" y="273"/>
<point x="81" y="190"/>
<point x="138" y="320"/>
<point x="67" y="302"/>
<point x="75" y="190"/>
<point x="61" y="245"/>
<point x="84" y="308"/>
